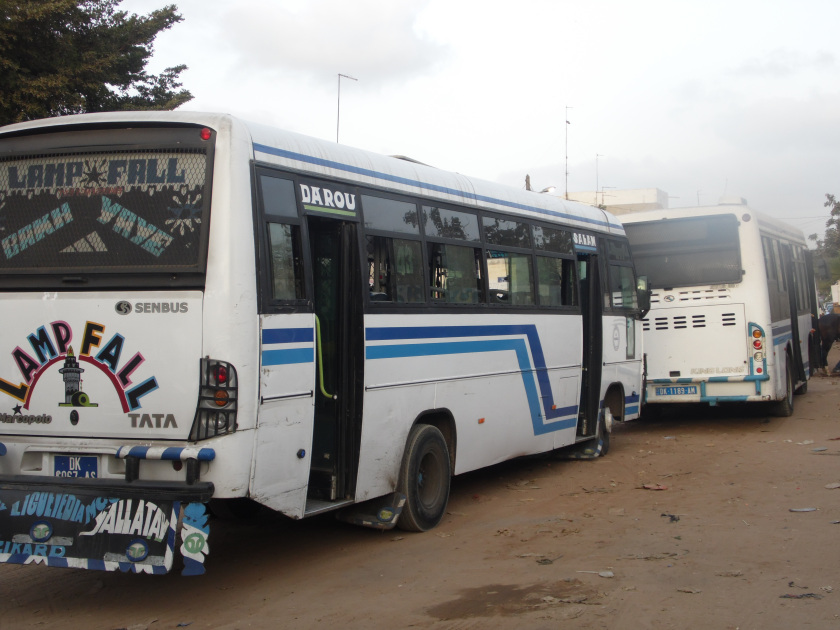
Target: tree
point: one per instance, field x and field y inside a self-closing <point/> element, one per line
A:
<point x="827" y="254"/>
<point x="71" y="56"/>
<point x="831" y="241"/>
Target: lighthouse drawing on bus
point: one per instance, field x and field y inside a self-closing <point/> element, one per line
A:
<point x="72" y="374"/>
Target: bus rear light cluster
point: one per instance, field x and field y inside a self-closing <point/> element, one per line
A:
<point x="217" y="400"/>
<point x="757" y="336"/>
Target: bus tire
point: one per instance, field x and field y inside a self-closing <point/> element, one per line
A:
<point x="424" y="479"/>
<point x="784" y="408"/>
<point x="605" y="422"/>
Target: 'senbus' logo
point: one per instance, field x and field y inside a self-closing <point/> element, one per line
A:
<point x="161" y="307"/>
<point x="125" y="308"/>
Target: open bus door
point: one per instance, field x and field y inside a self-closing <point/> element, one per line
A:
<point x="591" y="311"/>
<point x="815" y="343"/>
<point x="336" y="278"/>
<point x="790" y="282"/>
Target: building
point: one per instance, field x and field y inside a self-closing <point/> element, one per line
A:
<point x="620" y="202"/>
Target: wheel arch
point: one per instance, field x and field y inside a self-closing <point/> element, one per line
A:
<point x="614" y="400"/>
<point x="444" y="421"/>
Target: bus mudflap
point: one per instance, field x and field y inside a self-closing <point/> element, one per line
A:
<point x="107" y="525"/>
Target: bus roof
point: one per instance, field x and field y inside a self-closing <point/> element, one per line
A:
<point x="321" y="157"/>
<point x="741" y="211"/>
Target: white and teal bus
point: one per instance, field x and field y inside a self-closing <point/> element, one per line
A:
<point x="733" y="306"/>
<point x="200" y="310"/>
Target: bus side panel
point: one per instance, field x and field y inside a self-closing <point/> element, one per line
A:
<point x="511" y="386"/>
<point x="282" y="452"/>
<point x="623" y="362"/>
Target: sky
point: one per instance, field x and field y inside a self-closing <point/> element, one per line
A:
<point x="699" y="99"/>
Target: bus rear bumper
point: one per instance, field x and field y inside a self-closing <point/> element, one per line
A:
<point x="712" y="390"/>
<point x="106" y="525"/>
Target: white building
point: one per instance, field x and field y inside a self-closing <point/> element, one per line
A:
<point x="624" y="201"/>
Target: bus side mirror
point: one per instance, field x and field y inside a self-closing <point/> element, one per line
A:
<point x="643" y="296"/>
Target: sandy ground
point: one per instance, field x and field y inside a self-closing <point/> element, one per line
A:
<point x="528" y="544"/>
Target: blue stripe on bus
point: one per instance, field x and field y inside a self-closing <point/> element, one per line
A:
<point x="288" y="335"/>
<point x="778" y="341"/>
<point x="631" y="404"/>
<point x="465" y="347"/>
<point x="357" y="170"/>
<point x="288" y="357"/>
<point x="781" y="328"/>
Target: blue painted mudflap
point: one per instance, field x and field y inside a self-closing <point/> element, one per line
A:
<point x="109" y="525"/>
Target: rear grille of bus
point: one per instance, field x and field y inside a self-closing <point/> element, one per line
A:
<point x="682" y="322"/>
<point x="689" y="296"/>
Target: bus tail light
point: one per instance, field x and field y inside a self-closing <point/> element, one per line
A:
<point x="758" y="356"/>
<point x="215" y="413"/>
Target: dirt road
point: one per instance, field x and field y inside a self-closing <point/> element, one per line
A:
<point x="529" y="544"/>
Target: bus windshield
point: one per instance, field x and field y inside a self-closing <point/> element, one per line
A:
<point x="137" y="204"/>
<point x="687" y="252"/>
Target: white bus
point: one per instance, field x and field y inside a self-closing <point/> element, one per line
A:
<point x="197" y="309"/>
<point x="733" y="306"/>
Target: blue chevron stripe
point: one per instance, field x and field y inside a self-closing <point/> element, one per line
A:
<point x="534" y="378"/>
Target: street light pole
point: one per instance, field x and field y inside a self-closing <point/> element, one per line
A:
<point x="338" y="114"/>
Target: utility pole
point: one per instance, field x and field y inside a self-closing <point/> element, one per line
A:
<point x="338" y="115"/>
<point x="567" y="150"/>
<point x="597" y="155"/>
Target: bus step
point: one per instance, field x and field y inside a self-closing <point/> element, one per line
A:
<point x="379" y="513"/>
<point x="318" y="506"/>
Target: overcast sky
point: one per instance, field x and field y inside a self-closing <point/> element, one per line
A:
<point x="700" y="99"/>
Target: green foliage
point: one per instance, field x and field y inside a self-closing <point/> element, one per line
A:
<point x="72" y="56"/>
<point x="827" y="255"/>
<point x="831" y="242"/>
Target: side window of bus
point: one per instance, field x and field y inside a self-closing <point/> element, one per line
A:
<point x="510" y="277"/>
<point x="279" y="209"/>
<point x="286" y="272"/>
<point x="769" y="261"/>
<point x="622" y="288"/>
<point x="455" y="273"/>
<point x="395" y="268"/>
<point x="622" y="280"/>
<point x="556" y="281"/>
<point x="395" y="265"/>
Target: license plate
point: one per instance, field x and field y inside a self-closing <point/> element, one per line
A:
<point x="76" y="466"/>
<point x="676" y="391"/>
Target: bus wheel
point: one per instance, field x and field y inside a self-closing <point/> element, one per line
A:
<point x="605" y="423"/>
<point x="424" y="479"/>
<point x="784" y="408"/>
